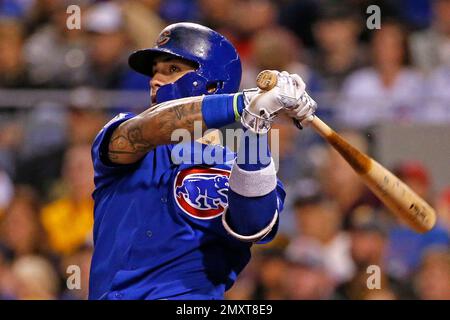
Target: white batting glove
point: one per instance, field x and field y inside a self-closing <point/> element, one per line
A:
<point x="303" y="113"/>
<point x="261" y="107"/>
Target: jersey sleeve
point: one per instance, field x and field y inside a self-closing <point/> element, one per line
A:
<point x="104" y="170"/>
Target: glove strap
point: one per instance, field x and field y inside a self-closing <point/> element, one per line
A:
<point x="257" y="124"/>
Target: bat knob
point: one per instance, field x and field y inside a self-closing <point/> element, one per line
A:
<point x="266" y="80"/>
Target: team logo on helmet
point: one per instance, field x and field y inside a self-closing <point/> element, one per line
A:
<point x="163" y="38"/>
<point x="202" y="192"/>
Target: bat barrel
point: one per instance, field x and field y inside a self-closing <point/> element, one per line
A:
<point x="395" y="194"/>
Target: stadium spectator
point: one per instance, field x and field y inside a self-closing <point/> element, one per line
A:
<point x="40" y="12"/>
<point x="108" y="48"/>
<point x="85" y="107"/>
<point x="216" y="13"/>
<point x="142" y="21"/>
<point x="369" y="241"/>
<point x="55" y="55"/>
<point x="14" y="74"/>
<point x="306" y="277"/>
<point x="299" y="16"/>
<point x="13" y="69"/>
<point x="290" y="56"/>
<point x="406" y="246"/>
<point x="430" y="48"/>
<point x="39" y="145"/>
<point x="338" y="53"/>
<point x="270" y="275"/>
<point x="50" y="130"/>
<point x="20" y="229"/>
<point x="319" y="226"/>
<point x="68" y="219"/>
<point x="240" y="29"/>
<point x="432" y="281"/>
<point x="387" y="91"/>
<point x="35" y="278"/>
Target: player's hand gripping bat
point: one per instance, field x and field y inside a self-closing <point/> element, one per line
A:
<point x="394" y="193"/>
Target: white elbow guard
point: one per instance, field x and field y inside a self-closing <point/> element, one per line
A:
<point x="251" y="238"/>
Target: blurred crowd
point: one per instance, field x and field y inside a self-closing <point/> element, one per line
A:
<point x="333" y="228"/>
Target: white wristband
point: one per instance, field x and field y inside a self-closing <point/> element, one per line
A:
<point x="253" y="183"/>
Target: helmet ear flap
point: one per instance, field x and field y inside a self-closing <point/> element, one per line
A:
<point x="189" y="85"/>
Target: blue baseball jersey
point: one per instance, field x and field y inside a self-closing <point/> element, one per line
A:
<point x="158" y="232"/>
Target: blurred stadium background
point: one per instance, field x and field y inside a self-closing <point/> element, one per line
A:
<point x="387" y="90"/>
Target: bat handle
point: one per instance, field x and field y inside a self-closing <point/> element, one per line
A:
<point x="317" y="124"/>
<point x="320" y="127"/>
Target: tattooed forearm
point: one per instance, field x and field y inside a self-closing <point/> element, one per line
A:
<point x="179" y="111"/>
<point x="135" y="137"/>
<point x="129" y="142"/>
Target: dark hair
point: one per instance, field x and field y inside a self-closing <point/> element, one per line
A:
<point x="27" y="194"/>
<point x="310" y="200"/>
<point x="337" y="12"/>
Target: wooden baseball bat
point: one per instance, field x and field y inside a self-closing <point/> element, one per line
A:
<point x="394" y="193"/>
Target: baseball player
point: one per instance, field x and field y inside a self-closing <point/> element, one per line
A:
<point x="166" y="229"/>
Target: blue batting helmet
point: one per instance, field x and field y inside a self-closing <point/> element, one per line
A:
<point x="218" y="63"/>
